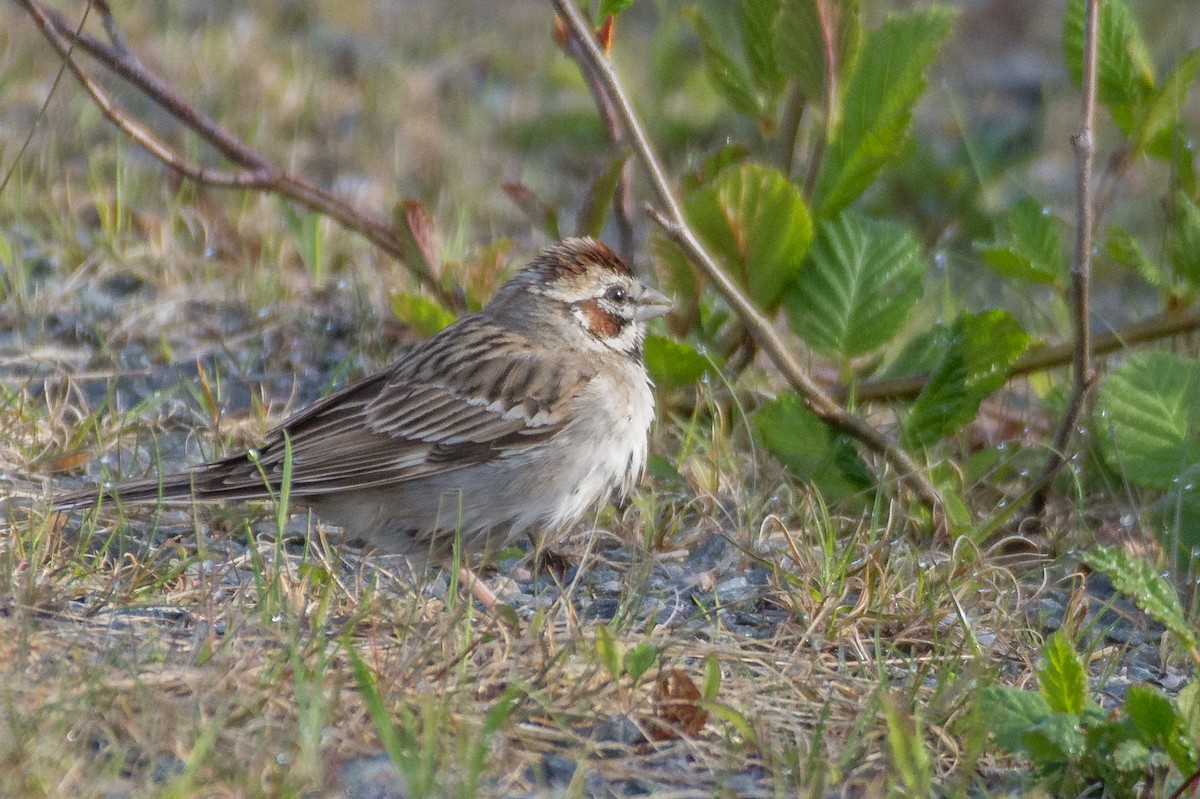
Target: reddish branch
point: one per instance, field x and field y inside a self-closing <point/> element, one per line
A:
<point x="254" y="170"/>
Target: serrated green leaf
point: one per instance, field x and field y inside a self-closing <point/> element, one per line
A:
<point x="1010" y="712"/>
<point x="1162" y="111"/>
<point x="800" y="43"/>
<point x="1146" y="417"/>
<point x="1029" y="245"/>
<point x="980" y="350"/>
<point x="1061" y="678"/>
<point x="1153" y="716"/>
<point x="727" y="76"/>
<point x="757" y="18"/>
<point x="858" y="285"/>
<point x="1161" y="725"/>
<point x="1123" y="248"/>
<point x="1188" y="702"/>
<point x="808" y="448"/>
<point x="1149" y="590"/>
<point x="609" y="651"/>
<point x="420" y="313"/>
<point x="599" y="198"/>
<point x="1125" y="71"/>
<point x="878" y="105"/>
<point x="639" y="659"/>
<point x="758" y="223"/>
<point x="672" y="363"/>
<point x="1184" y="249"/>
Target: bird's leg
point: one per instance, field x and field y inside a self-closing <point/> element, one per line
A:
<point x="479" y="588"/>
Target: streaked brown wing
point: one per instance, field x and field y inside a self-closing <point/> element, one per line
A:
<point x="429" y="414"/>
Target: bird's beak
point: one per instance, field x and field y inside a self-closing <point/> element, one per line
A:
<point x="651" y="303"/>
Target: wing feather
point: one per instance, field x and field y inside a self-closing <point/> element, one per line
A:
<point x="433" y="412"/>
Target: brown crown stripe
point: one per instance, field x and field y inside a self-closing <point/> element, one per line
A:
<point x="574" y="256"/>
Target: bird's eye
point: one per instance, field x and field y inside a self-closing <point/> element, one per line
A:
<point x="616" y="294"/>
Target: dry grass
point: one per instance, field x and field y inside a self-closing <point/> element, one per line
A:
<point x="148" y="324"/>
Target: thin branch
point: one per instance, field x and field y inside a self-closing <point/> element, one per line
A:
<point x="675" y="225"/>
<point x="255" y="171"/>
<point x="1042" y="358"/>
<point x="1081" y="263"/>
<point x="624" y="207"/>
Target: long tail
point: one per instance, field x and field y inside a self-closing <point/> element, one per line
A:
<point x="168" y="488"/>
<point x="206" y="482"/>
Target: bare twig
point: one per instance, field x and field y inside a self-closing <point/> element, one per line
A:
<point x="675" y="225"/>
<point x="255" y="171"/>
<point x="1081" y="263"/>
<point x="623" y="203"/>
<point x="1040" y="359"/>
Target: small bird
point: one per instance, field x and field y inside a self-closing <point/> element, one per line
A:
<point x="515" y="420"/>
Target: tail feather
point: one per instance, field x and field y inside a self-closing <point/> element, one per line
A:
<point x="168" y="488"/>
<point x="204" y="483"/>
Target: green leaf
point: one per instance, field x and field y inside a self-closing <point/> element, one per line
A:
<point x="639" y="659"/>
<point x="712" y="678"/>
<point x="613" y="7"/>
<point x="1054" y="741"/>
<point x="599" y="198"/>
<point x="858" y="285"/>
<point x="810" y="450"/>
<point x="1188" y="701"/>
<point x="1149" y="590"/>
<point x="757" y="18"/>
<point x="1146" y="416"/>
<point x="878" y="105"/>
<point x="1184" y="249"/>
<point x="921" y="354"/>
<point x="758" y="223"/>
<point x="609" y="651"/>
<point x="1010" y="712"/>
<point x="1061" y="678"/>
<point x="1123" y="248"/>
<point x="981" y="348"/>
<point x="800" y="42"/>
<point x="420" y="313"/>
<point x="1029" y="245"/>
<point x="1162" y="111"/>
<point x="1160" y="725"/>
<point x="673" y="364"/>
<point x="712" y="165"/>
<point x="727" y="76"/>
<point x="1125" y="71"/>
